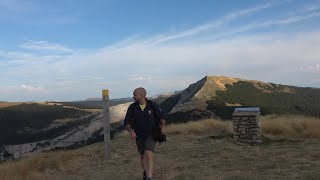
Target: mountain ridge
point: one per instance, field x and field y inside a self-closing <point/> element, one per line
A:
<point x="221" y="93"/>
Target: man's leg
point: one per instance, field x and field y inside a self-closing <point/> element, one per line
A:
<point x="150" y="146"/>
<point x="140" y="146"/>
<point x="146" y="149"/>
<point x="148" y="161"/>
<point x="142" y="162"/>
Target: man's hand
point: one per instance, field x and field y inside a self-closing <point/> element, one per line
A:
<point x="133" y="135"/>
<point x="131" y="132"/>
<point x="163" y="126"/>
<point x="163" y="129"/>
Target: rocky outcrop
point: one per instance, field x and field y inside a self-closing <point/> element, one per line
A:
<point x="188" y="104"/>
<point x="118" y="112"/>
<point x="181" y="101"/>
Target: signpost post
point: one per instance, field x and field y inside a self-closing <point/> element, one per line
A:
<point x="106" y="122"/>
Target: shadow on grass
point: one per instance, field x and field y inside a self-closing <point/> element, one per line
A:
<point x="312" y="176"/>
<point x="268" y="141"/>
<point x="265" y="141"/>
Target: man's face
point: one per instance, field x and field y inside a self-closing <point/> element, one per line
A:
<point x="137" y="96"/>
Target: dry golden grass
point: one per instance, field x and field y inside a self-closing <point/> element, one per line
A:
<point x="7" y="104"/>
<point x="281" y="126"/>
<point x="195" y="150"/>
<point x="291" y="126"/>
<point x="34" y="167"/>
<point x="208" y="125"/>
<point x="88" y="110"/>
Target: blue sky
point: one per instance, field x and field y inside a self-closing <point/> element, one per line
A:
<point x="70" y="50"/>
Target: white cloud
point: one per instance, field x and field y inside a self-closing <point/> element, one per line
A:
<point x="313" y="68"/>
<point x="169" y="67"/>
<point x="91" y="78"/>
<point x="139" y="78"/>
<point x="32" y="88"/>
<point x="44" y="45"/>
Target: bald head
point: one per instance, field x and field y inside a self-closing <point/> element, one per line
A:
<point x="139" y="94"/>
<point x="141" y="91"/>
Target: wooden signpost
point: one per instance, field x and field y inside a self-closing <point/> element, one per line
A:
<point x="106" y="122"/>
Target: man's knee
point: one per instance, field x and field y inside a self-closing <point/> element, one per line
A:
<point x="141" y="157"/>
<point x="148" y="154"/>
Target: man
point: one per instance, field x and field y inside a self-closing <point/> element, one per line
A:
<point x="141" y="117"/>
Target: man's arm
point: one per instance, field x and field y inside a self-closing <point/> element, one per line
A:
<point x="131" y="132"/>
<point x="128" y="121"/>
<point x="162" y="123"/>
<point x="163" y="126"/>
<point x="129" y="128"/>
<point x="161" y="116"/>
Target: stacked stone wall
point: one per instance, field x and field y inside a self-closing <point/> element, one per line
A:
<point x="247" y="128"/>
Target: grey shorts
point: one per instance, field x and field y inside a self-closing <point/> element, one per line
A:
<point x="148" y="144"/>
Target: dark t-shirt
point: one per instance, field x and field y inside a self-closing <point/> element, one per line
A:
<point x="142" y="122"/>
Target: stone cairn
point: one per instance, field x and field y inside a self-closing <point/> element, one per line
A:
<point x="246" y="124"/>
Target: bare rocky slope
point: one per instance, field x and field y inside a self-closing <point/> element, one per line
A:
<point x="191" y="103"/>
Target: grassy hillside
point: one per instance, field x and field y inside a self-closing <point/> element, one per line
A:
<point x="222" y="95"/>
<point x="195" y="150"/>
<point x="20" y="123"/>
<point x="7" y="104"/>
<point x="272" y="98"/>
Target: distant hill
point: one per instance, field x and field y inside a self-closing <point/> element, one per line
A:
<point x="7" y="104"/>
<point x="99" y="99"/>
<point x="221" y="95"/>
<point x="31" y="128"/>
<point x="93" y="99"/>
<point x="24" y="122"/>
<point x="94" y="104"/>
<point x="30" y="122"/>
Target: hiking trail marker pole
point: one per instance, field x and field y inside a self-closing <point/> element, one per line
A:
<point x="106" y="122"/>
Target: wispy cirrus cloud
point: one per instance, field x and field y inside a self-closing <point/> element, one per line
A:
<point x="292" y="18"/>
<point x="44" y="45"/>
<point x="213" y="24"/>
<point x="305" y="9"/>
